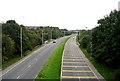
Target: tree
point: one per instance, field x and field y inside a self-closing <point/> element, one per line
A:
<point x="105" y="40"/>
<point x="12" y="29"/>
<point x="8" y="47"/>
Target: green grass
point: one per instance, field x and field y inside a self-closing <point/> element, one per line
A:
<point x="107" y="73"/>
<point x="15" y="59"/>
<point x="10" y="62"/>
<point x="52" y="68"/>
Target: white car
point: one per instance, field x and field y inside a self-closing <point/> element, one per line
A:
<point x="46" y="42"/>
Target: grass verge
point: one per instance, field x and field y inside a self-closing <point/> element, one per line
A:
<point x="17" y="58"/>
<point x="52" y="68"/>
<point x="102" y="69"/>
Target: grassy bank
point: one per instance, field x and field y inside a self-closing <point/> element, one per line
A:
<point x="102" y="69"/>
<point x="52" y="68"/>
<point x="17" y="58"/>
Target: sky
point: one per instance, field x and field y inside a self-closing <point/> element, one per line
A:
<point x="69" y="14"/>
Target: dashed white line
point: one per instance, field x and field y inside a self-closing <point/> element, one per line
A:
<point x="29" y="66"/>
<point x="15" y="65"/>
<point x="36" y="59"/>
<point x="18" y="77"/>
<point x="75" y="66"/>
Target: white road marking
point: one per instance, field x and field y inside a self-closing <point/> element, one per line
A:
<point x="15" y="65"/>
<point x="29" y="66"/>
<point x="84" y="77"/>
<point x="75" y="66"/>
<point x="36" y="75"/>
<point x="35" y="51"/>
<point x="25" y="59"/>
<point x="18" y="77"/>
<point x="36" y="59"/>
<point x="84" y="62"/>
<point x="92" y="70"/>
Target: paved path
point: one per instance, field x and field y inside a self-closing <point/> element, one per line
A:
<point x="29" y="67"/>
<point x="75" y="66"/>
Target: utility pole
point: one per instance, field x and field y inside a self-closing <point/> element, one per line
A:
<point x="91" y="43"/>
<point x="42" y="36"/>
<point x="21" y="39"/>
<point x="64" y="33"/>
<point x="51" y="34"/>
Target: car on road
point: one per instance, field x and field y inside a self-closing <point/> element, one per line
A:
<point x="46" y="41"/>
<point x="54" y="41"/>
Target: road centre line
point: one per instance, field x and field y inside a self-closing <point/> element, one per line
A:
<point x="20" y="62"/>
<point x="15" y="65"/>
<point x="18" y="77"/>
<point x="29" y="66"/>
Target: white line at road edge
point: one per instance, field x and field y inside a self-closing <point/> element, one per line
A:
<point x="36" y="59"/>
<point x="61" y="63"/>
<point x="63" y="59"/>
<point x="18" y="77"/>
<point x="91" y="69"/>
<point x="19" y="63"/>
<point x="29" y="66"/>
<point x="15" y="65"/>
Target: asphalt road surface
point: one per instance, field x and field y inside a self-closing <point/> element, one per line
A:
<point x="30" y="66"/>
<point x="75" y="66"/>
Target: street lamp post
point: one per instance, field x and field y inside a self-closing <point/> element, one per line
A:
<point x="51" y="34"/>
<point x="42" y="37"/>
<point x="64" y="33"/>
<point x="91" y="43"/>
<point x="21" y="39"/>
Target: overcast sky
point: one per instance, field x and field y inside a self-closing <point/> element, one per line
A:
<point x="70" y="14"/>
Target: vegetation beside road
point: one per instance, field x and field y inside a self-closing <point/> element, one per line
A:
<point x="102" y="44"/>
<point x="31" y="38"/>
<point x="102" y="69"/>
<point x="17" y="58"/>
<point x="52" y="68"/>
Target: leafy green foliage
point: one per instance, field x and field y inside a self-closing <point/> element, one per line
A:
<point x="52" y="67"/>
<point x="106" y="40"/>
<point x="12" y="29"/>
<point x="105" y="43"/>
<point x="31" y="37"/>
<point x="8" y="46"/>
<point x="84" y="38"/>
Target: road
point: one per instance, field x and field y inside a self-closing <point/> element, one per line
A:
<point x="30" y="66"/>
<point x="75" y="66"/>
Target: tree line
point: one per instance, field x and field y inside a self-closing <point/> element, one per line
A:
<point x="31" y="37"/>
<point x="104" y="41"/>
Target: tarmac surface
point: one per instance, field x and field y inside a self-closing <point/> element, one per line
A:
<point x="75" y="66"/>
